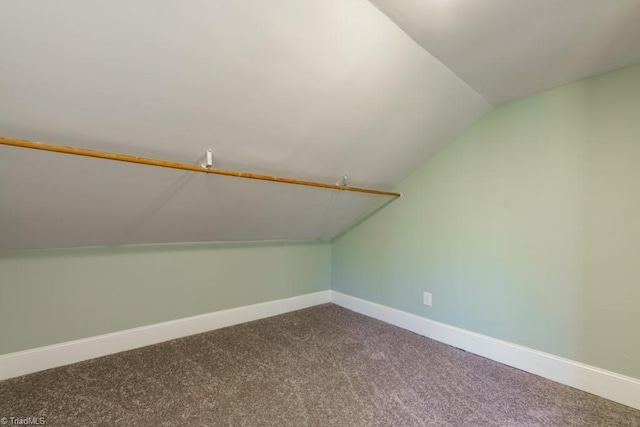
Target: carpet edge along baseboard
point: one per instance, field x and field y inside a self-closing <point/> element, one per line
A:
<point x="51" y="356"/>
<point x="607" y="384"/>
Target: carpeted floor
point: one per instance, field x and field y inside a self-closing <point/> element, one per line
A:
<point x="323" y="366"/>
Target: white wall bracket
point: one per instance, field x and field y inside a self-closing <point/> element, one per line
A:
<point x="209" y="161"/>
<point x="343" y="183"/>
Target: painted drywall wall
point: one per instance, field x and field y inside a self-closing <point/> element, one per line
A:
<point x="525" y="228"/>
<point x="52" y="296"/>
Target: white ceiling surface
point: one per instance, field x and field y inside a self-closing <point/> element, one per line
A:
<point x="507" y="49"/>
<point x="116" y="203"/>
<point x="297" y="88"/>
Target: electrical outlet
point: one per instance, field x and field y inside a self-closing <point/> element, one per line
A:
<point x="427" y="299"/>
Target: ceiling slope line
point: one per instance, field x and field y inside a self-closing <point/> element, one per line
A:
<point x="182" y="166"/>
<point x="410" y="35"/>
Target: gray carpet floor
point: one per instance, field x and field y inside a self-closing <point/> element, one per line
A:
<point x="322" y="366"/>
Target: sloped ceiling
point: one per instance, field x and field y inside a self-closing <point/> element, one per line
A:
<point x="297" y="88"/>
<point x="507" y="49"/>
<point x="305" y="89"/>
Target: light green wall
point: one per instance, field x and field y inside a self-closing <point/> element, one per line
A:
<point x="525" y="228"/>
<point x="52" y="296"/>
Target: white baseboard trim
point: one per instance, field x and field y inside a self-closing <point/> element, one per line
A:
<point x="616" y="387"/>
<point x="39" y="359"/>
<point x="607" y="384"/>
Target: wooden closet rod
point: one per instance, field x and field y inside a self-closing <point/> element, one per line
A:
<point x="173" y="165"/>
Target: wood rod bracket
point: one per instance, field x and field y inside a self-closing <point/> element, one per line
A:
<point x="209" y="158"/>
<point x="343" y="183"/>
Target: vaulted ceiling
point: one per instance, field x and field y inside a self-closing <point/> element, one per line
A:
<point x="507" y="49"/>
<point x="306" y="89"/>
